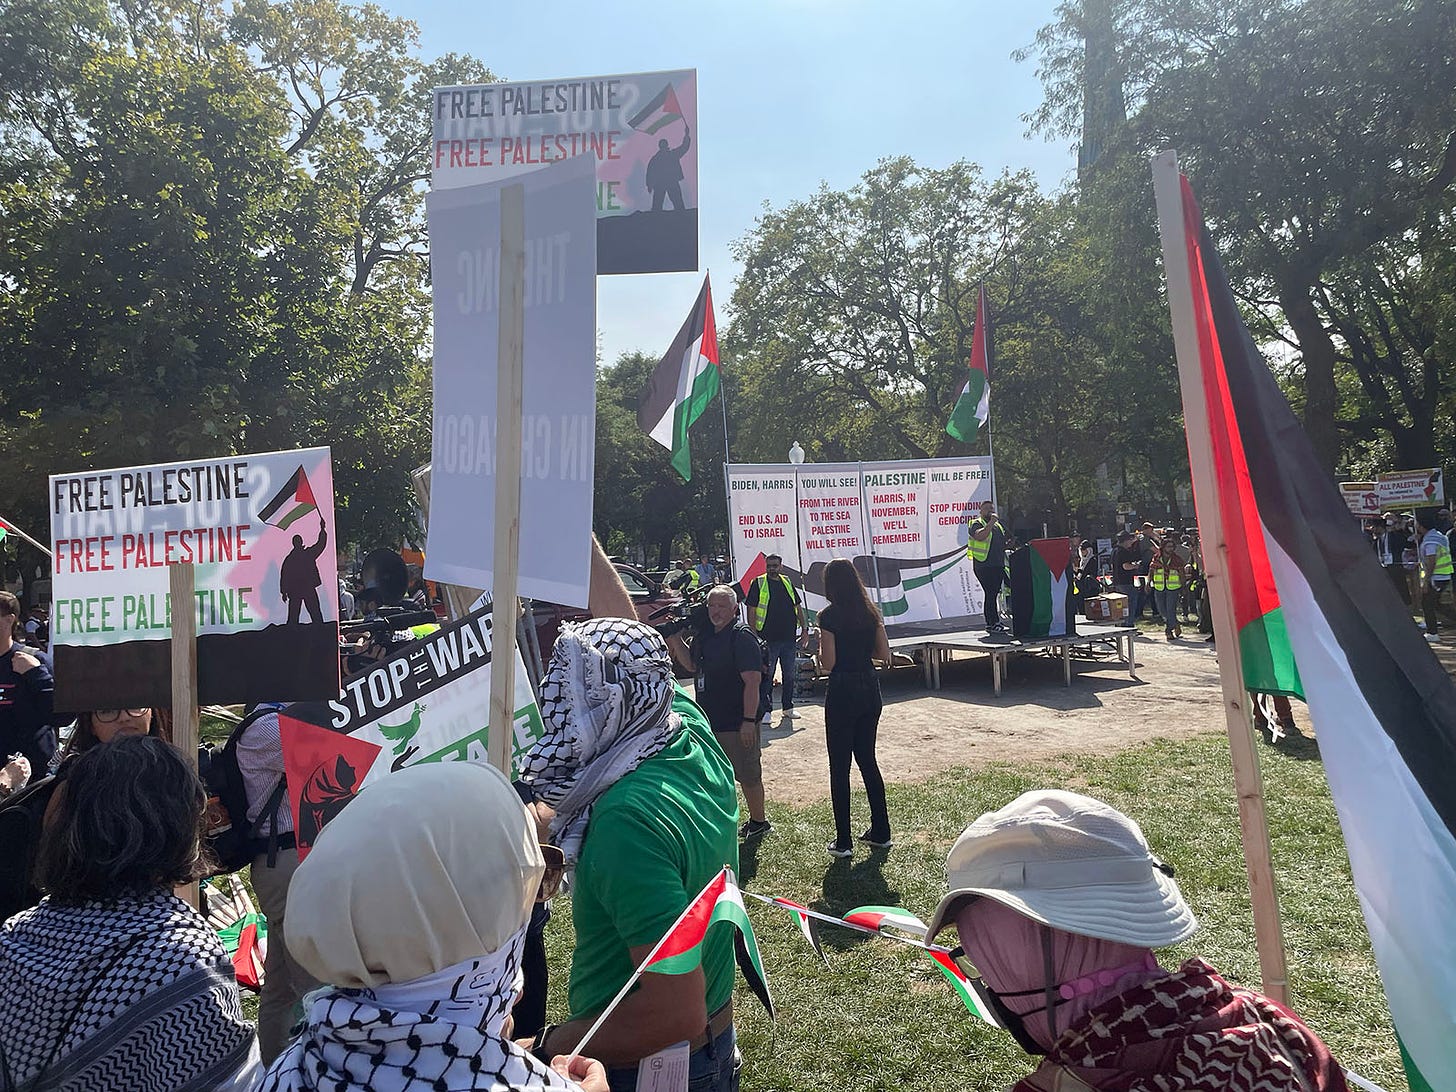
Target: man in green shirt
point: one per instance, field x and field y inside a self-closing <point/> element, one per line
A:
<point x="646" y="807"/>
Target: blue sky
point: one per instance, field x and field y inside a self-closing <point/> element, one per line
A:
<point x="791" y="93"/>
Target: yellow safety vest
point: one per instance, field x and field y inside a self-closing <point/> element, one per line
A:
<point x="1165" y="577"/>
<point x="980" y="549"/>
<point x="758" y="612"/>
<point x="1443" y="568"/>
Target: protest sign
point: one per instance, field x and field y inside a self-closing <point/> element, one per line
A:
<point x="902" y="524"/>
<point x="639" y="132"/>
<point x="1361" y="498"/>
<point x="429" y="702"/>
<point x="255" y="528"/>
<point x="559" y="399"/>
<point x="1413" y="488"/>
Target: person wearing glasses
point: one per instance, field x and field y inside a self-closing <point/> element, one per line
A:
<point x="104" y="725"/>
<point x="414" y="905"/>
<point x="1058" y="902"/>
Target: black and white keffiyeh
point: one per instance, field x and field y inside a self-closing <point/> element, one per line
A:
<point x="607" y="703"/>
<point x="445" y="1031"/>
<point x="132" y="994"/>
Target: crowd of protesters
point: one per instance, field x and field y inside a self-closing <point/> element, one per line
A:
<point x="409" y="940"/>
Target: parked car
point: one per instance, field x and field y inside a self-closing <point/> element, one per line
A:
<point x="653" y="602"/>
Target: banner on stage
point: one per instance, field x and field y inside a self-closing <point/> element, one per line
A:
<point x="429" y="702"/>
<point x="901" y="523"/>
<point x="559" y="404"/>
<point x="257" y="530"/>
<point x="639" y="131"/>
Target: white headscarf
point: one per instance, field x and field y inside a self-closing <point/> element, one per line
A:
<point x="413" y="904"/>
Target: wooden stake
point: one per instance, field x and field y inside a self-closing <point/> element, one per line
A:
<point x="1248" y="782"/>
<point x="509" y="394"/>
<point x="184" y="675"/>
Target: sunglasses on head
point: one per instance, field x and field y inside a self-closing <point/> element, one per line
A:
<point x="555" y="869"/>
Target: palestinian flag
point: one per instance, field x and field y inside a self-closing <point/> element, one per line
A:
<point x="291" y="503"/>
<point x="880" y="918"/>
<point x="1306" y="580"/>
<point x="964" y="988"/>
<point x="973" y="407"/>
<point x="1041" y="589"/>
<point x="683" y="384"/>
<point x="803" y="918"/>
<point x="4" y="530"/>
<point x="681" y="949"/>
<point x="659" y="113"/>
<point x="243" y="931"/>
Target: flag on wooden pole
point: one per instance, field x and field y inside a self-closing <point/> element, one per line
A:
<point x="1382" y="705"/>
<point x="683" y="383"/>
<point x="973" y="407"/>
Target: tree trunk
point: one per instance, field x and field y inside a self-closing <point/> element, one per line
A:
<point x="1318" y="350"/>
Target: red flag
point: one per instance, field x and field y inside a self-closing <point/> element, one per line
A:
<point x="324" y="770"/>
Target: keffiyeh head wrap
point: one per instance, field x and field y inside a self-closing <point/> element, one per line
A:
<point x="607" y="703"/>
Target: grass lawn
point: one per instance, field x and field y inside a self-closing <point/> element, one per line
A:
<point x="881" y="1017"/>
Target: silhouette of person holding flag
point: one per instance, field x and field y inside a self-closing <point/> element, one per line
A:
<point x="665" y="173"/>
<point x="299" y="579"/>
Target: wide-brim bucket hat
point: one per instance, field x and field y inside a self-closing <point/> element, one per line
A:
<point x="1071" y="862"/>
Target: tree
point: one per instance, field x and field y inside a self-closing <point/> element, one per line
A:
<point x="1315" y="131"/>
<point x="213" y="240"/>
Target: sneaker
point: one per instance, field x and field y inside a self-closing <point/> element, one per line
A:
<point x="873" y="839"/>
<point x="790" y="714"/>
<point x="1432" y="638"/>
<point x="834" y="849"/>
<point x="754" y="829"/>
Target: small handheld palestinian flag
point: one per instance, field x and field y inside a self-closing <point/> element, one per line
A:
<point x="880" y="918"/>
<point x="681" y="948"/>
<point x="973" y="407"/>
<point x="1307" y="587"/>
<point x="291" y="503"/>
<point x="683" y="383"/>
<point x="804" y="917"/>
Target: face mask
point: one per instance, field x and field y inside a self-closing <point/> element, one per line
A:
<point x="1015" y="1022"/>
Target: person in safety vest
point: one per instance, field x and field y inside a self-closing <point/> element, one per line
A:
<point x="986" y="547"/>
<point x="776" y="614"/>
<point x="1435" y="567"/>
<point x="1166" y="575"/>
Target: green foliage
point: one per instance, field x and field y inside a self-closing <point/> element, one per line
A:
<point x="213" y="241"/>
<point x="1320" y="136"/>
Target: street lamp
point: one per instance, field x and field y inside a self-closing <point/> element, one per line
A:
<point x="796" y="454"/>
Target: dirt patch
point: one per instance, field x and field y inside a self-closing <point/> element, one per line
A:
<point x="923" y="732"/>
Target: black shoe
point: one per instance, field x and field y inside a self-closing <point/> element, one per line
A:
<point x="753" y="829"/>
<point x="876" y="840"/>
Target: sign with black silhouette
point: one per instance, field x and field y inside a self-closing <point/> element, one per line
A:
<point x="641" y="130"/>
<point x="257" y="530"/>
<point x="1041" y="589"/>
<point x="429" y="702"/>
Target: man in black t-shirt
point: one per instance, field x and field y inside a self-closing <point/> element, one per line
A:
<point x="1127" y="566"/>
<point x="25" y="697"/>
<point x="986" y="547"/>
<point x="729" y="666"/>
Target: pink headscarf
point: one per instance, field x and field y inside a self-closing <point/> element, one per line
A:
<point x="1006" y="947"/>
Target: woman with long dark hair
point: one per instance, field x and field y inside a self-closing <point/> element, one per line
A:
<point x="104" y="725"/>
<point x="851" y="638"/>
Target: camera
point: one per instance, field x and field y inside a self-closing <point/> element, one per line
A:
<point x="687" y="614"/>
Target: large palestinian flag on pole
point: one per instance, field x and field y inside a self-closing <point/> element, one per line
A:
<point x="973" y="407"/>
<point x="683" y="384"/>
<point x="1041" y="589"/>
<point x="1383" y="707"/>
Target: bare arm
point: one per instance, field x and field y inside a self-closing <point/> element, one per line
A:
<point x="983" y="534"/>
<point x="826" y="650"/>
<point x="664" y="1009"/>
<point x="606" y="595"/>
<point x="681" y="653"/>
<point x="751" y="680"/>
<point x="882" y="643"/>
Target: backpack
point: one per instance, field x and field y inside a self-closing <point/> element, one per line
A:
<point x="231" y="839"/>
<point x="22" y="815"/>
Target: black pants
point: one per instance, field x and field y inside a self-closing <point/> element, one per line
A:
<point x="1401" y="579"/>
<point x="992" y="575"/>
<point x="852" y="707"/>
<point x="1430" y="600"/>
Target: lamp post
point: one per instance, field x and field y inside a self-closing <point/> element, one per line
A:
<point x="796" y="454"/>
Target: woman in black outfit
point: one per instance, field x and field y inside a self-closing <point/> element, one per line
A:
<point x="851" y="636"/>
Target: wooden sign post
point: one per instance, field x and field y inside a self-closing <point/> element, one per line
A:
<point x="510" y="393"/>
<point x="184" y="674"/>
<point x="1248" y="782"/>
